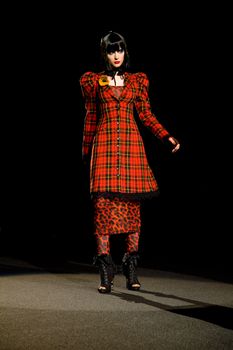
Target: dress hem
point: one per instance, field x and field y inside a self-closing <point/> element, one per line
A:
<point x="126" y="196"/>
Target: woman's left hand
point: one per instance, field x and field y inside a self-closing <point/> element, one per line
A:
<point x="176" y="144"/>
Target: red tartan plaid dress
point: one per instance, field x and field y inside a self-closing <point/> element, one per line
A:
<point x="119" y="166"/>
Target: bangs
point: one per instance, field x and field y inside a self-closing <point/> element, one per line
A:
<point x="111" y="43"/>
<point x="112" y="47"/>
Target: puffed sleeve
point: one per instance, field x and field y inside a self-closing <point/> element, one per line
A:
<point x="88" y="83"/>
<point x="143" y="107"/>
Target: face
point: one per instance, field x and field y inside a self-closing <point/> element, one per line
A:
<point x="116" y="58"/>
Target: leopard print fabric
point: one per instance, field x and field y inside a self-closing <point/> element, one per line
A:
<point x="115" y="216"/>
<point x="132" y="242"/>
<point x="102" y="244"/>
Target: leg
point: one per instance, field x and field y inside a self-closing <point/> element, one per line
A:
<point x="132" y="242"/>
<point x="129" y="262"/>
<point x="102" y="244"/>
<point x="104" y="261"/>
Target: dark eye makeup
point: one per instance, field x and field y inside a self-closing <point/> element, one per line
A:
<point x="112" y="52"/>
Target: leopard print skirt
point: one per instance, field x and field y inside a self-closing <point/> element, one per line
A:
<point x="116" y="215"/>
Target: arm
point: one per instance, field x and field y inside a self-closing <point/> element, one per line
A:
<point x="88" y="89"/>
<point x="143" y="108"/>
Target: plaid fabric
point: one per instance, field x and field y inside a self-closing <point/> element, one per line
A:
<point x="118" y="159"/>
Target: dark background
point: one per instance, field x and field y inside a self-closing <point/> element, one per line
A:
<point x="46" y="211"/>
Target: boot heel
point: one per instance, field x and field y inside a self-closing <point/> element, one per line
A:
<point x="129" y="265"/>
<point x="106" y="270"/>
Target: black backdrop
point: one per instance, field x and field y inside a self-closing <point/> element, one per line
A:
<point x="45" y="204"/>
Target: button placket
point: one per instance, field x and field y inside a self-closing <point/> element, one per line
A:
<point x="118" y="142"/>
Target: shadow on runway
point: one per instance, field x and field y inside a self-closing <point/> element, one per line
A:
<point x="219" y="315"/>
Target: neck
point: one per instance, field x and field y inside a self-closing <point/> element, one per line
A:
<point x="114" y="71"/>
<point x="117" y="80"/>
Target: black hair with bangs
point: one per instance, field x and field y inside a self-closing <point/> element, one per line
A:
<point x="112" y="42"/>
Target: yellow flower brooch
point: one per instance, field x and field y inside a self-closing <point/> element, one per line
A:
<point x="103" y="80"/>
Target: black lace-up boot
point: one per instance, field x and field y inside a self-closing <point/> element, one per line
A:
<point x="107" y="271"/>
<point x="129" y="266"/>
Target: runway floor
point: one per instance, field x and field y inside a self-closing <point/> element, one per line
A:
<point x="57" y="306"/>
